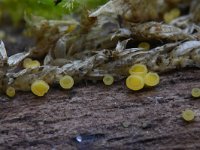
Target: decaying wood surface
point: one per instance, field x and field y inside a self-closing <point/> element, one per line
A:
<point x="106" y="117"/>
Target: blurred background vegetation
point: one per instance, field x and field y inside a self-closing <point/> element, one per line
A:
<point x="50" y="9"/>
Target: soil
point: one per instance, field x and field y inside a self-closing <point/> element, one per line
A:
<point x="94" y="116"/>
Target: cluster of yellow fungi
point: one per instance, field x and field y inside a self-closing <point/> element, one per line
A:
<point x="29" y="63"/>
<point x="40" y="87"/>
<point x="189" y="115"/>
<point x="139" y="77"/>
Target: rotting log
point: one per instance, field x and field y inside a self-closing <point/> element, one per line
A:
<point x="112" y="117"/>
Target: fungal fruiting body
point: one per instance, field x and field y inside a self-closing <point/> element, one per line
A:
<point x="188" y="115"/>
<point x="26" y="62"/>
<point x="39" y="87"/>
<point x="151" y="79"/>
<point x="171" y="15"/>
<point x="139" y="76"/>
<point x="144" y="45"/>
<point x="10" y="91"/>
<point x="66" y="82"/>
<point x="138" y="69"/>
<point x="195" y="92"/>
<point x="135" y="82"/>
<point x="108" y="79"/>
<point x="29" y="63"/>
<point x="175" y="12"/>
<point x="167" y="17"/>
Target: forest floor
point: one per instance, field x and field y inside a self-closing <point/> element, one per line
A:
<point x="104" y="117"/>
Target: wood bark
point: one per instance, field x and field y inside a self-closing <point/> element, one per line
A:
<point x="105" y="117"/>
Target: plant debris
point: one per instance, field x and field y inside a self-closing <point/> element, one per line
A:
<point x="105" y="42"/>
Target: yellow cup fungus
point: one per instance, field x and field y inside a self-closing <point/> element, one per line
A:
<point x="39" y="87"/>
<point x="66" y="82"/>
<point x="26" y="62"/>
<point x="135" y="82"/>
<point x="29" y="63"/>
<point x="188" y="115"/>
<point x="195" y="92"/>
<point x="151" y="79"/>
<point x="144" y="45"/>
<point x="10" y="91"/>
<point x="139" y="76"/>
<point x="168" y="17"/>
<point x="138" y="69"/>
<point x="108" y="79"/>
<point x="171" y="15"/>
